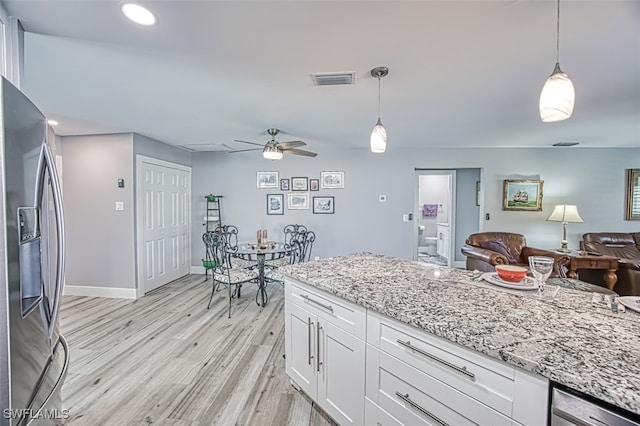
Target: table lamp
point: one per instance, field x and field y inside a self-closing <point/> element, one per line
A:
<point x="565" y="213"/>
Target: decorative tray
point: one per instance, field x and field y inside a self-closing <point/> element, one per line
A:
<point x="630" y="302"/>
<point x="527" y="284"/>
<point x="262" y="245"/>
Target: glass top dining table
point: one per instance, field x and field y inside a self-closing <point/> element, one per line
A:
<point x="260" y="253"/>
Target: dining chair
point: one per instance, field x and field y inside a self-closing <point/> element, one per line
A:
<point x="221" y="245"/>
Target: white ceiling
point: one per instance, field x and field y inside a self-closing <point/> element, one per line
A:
<point x="462" y="73"/>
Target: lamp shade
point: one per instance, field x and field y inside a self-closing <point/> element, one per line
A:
<point x="378" y="138"/>
<point x="565" y="213"/>
<point x="557" y="97"/>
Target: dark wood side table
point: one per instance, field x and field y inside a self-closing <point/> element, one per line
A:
<point x="608" y="263"/>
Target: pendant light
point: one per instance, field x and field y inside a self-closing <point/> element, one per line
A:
<point x="558" y="96"/>
<point x="379" y="134"/>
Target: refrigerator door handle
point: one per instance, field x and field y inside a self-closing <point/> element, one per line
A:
<point x="58" y="384"/>
<point x="57" y="205"/>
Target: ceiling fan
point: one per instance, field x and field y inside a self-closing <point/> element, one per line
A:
<point x="273" y="150"/>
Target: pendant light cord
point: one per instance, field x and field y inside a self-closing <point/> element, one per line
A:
<point x="558" y="35"/>
<point x="378" y="96"/>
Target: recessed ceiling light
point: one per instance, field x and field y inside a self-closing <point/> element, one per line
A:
<point x="138" y="14"/>
<point x="52" y="122"/>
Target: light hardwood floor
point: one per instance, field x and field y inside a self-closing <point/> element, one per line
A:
<point x="165" y="359"/>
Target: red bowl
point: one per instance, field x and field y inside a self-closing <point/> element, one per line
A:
<point x="511" y="273"/>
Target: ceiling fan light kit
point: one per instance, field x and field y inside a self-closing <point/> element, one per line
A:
<point x="378" y="141"/>
<point x="558" y="95"/>
<point x="272" y="152"/>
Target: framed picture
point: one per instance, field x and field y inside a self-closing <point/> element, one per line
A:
<point x="477" y="193"/>
<point x="275" y="203"/>
<point x="299" y="184"/>
<point x="522" y="195"/>
<point x="331" y="180"/>
<point x="633" y="195"/>
<point x="324" y="205"/>
<point x="314" y="184"/>
<point x="267" y="179"/>
<point x="298" y="201"/>
<point x="284" y="184"/>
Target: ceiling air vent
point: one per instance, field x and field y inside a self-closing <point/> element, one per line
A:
<point x="333" y="78"/>
<point x="566" y="143"/>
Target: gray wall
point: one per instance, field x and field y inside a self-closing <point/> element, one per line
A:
<point x="143" y="145"/>
<point x="100" y="240"/>
<point x="594" y="179"/>
<point x="467" y="213"/>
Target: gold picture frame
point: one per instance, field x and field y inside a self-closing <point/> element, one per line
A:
<point x="522" y="195"/>
<point x="632" y="212"/>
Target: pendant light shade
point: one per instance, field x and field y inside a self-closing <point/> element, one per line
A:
<point x="558" y="95"/>
<point x="379" y="133"/>
<point x="378" y="138"/>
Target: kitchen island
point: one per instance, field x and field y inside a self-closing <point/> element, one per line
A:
<point x="569" y="340"/>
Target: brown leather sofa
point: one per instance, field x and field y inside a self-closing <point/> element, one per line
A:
<point x="624" y="246"/>
<point x="480" y="249"/>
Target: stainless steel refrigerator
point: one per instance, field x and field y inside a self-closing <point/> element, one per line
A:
<point x="34" y="357"/>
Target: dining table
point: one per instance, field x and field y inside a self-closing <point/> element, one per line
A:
<point x="260" y="253"/>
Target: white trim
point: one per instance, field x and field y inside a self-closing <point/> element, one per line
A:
<point x="460" y="264"/>
<point x="120" y="293"/>
<point x="197" y="270"/>
<point x="140" y="159"/>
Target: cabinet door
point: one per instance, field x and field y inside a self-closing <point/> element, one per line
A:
<point x="300" y="346"/>
<point x="340" y="372"/>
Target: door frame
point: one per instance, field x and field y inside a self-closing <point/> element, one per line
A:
<point x="140" y="159"/>
<point x="452" y="210"/>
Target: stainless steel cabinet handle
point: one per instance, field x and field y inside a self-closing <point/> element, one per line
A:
<point x="408" y="400"/>
<point x="309" y="325"/>
<point x="462" y="370"/>
<point x="307" y="298"/>
<point x="318" y="348"/>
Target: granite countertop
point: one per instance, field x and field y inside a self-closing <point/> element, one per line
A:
<point x="569" y="340"/>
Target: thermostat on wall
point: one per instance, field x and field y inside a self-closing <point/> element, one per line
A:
<point x="382" y="198"/>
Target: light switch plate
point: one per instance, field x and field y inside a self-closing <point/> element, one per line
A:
<point x="119" y="205"/>
<point x="405" y="218"/>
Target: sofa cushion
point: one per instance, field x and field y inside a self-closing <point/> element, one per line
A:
<point x="500" y="247"/>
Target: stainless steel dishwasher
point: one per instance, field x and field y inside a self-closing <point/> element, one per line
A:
<point x="573" y="408"/>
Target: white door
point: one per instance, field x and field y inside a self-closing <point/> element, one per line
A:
<point x="341" y="374"/>
<point x="164" y="190"/>
<point x="300" y="341"/>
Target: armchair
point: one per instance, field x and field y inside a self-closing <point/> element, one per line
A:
<point x="484" y="250"/>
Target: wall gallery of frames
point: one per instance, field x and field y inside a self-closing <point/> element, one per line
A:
<point x="297" y="191"/>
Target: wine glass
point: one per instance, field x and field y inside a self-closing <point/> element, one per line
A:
<point x="541" y="267"/>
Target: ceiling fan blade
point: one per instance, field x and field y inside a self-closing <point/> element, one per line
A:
<point x="299" y="152"/>
<point x="244" y="150"/>
<point x="290" y="144"/>
<point x="252" y="143"/>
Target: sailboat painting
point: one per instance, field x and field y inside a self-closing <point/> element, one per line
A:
<point x="522" y="195"/>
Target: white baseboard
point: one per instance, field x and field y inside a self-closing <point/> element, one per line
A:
<point x="119" y="293"/>
<point x="197" y="270"/>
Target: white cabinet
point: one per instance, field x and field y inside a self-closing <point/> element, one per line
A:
<point x="322" y="358"/>
<point x="416" y="378"/>
<point x="442" y="245"/>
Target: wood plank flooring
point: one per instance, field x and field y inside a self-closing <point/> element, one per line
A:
<point x="166" y="359"/>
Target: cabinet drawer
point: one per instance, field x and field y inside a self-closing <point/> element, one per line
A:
<point x="347" y="316"/>
<point x="415" y="398"/>
<point x="472" y="373"/>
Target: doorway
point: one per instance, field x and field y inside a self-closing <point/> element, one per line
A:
<point x="163" y="192"/>
<point x="435" y="208"/>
